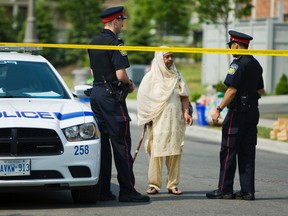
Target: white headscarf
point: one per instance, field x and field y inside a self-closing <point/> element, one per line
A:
<point x="155" y="89"/>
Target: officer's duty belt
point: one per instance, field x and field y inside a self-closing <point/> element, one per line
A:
<point x="98" y="83"/>
<point x="102" y="83"/>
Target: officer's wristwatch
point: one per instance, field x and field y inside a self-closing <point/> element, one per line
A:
<point x="219" y="109"/>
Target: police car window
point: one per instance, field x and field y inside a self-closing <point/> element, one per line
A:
<point x="3" y="71"/>
<point x="29" y="79"/>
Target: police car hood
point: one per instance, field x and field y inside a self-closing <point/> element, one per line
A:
<point x="43" y="113"/>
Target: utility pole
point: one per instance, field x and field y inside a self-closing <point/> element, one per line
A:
<point x="15" y="13"/>
<point x="31" y="30"/>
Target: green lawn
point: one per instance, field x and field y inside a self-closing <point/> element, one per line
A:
<point x="264" y="132"/>
<point x="69" y="79"/>
<point x="192" y="75"/>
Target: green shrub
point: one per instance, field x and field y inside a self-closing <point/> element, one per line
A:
<point x="220" y="87"/>
<point x="197" y="57"/>
<point x="282" y="86"/>
<point x="195" y="96"/>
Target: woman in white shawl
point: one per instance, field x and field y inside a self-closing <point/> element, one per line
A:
<point x="163" y="105"/>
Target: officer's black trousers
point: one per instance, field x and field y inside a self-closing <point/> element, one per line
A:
<point x="239" y="139"/>
<point x="114" y="123"/>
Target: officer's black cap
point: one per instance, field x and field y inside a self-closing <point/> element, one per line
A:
<point x="239" y="37"/>
<point x="112" y="13"/>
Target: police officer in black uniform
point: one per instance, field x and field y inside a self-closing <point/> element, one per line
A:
<point x="110" y="87"/>
<point x="239" y="130"/>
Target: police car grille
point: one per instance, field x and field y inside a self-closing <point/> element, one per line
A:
<point x="29" y="142"/>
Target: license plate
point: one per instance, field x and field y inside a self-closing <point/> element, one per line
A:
<point x="14" y="167"/>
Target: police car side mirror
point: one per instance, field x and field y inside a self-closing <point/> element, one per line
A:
<point x="79" y="91"/>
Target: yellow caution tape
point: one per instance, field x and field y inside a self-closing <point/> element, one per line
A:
<point x="153" y="49"/>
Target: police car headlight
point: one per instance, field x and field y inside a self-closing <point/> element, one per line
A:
<point x="81" y="132"/>
<point x="71" y="132"/>
<point x="87" y="131"/>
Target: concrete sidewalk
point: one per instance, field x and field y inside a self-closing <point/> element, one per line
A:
<point x="215" y="134"/>
<point x="275" y="99"/>
<point x="269" y="100"/>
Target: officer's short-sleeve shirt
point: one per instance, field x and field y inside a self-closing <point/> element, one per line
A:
<point x="234" y="75"/>
<point x="105" y="63"/>
<point x="241" y="67"/>
<point x="119" y="57"/>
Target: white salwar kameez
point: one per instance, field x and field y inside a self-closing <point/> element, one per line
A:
<point x="158" y="101"/>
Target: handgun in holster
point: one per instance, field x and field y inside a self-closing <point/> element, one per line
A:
<point x="123" y="90"/>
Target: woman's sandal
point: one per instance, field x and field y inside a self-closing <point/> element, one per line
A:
<point x="175" y="191"/>
<point x="152" y="190"/>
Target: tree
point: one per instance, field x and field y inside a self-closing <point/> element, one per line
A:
<point x="7" y="33"/>
<point x="150" y="22"/>
<point x="171" y="17"/>
<point x="45" y="31"/>
<point x="138" y="31"/>
<point x="218" y="11"/>
<point x="85" y="24"/>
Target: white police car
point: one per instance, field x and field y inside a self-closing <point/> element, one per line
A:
<point x="48" y="138"/>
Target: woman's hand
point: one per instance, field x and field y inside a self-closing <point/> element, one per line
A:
<point x="187" y="118"/>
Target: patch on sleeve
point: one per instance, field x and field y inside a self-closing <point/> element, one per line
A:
<point x="233" y="68"/>
<point x="123" y="52"/>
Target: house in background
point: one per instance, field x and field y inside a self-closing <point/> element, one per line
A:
<point x="270" y="9"/>
<point x="269" y="27"/>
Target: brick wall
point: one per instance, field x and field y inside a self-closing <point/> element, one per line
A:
<point x="263" y="8"/>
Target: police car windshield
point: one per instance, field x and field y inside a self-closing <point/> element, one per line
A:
<point x="23" y="79"/>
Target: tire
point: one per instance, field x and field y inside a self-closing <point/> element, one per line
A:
<point x="87" y="195"/>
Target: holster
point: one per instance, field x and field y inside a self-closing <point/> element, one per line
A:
<point x="117" y="89"/>
<point x="241" y="103"/>
<point x="123" y="90"/>
<point x="109" y="87"/>
<point x="244" y="103"/>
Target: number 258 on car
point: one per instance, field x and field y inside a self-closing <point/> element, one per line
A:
<point x="81" y="150"/>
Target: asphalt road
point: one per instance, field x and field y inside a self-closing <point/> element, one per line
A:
<point x="199" y="174"/>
